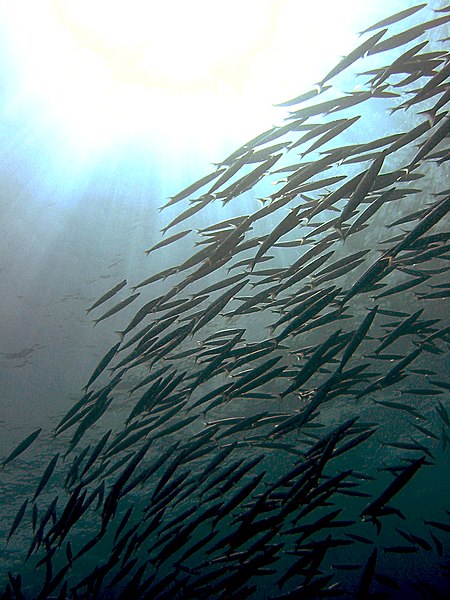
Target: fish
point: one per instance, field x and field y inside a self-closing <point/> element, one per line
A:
<point x="401" y="329"/>
<point x="401" y="549"/>
<point x="169" y="240"/>
<point x="96" y="451"/>
<point x="20" y="448"/>
<point x="239" y="389"/>
<point x="46" y="476"/>
<point x="322" y="354"/>
<point x="348" y="60"/>
<point x="161" y="275"/>
<point x="222" y="283"/>
<point x="362" y="189"/>
<point x="437" y="136"/>
<point x="377" y="271"/>
<point x="367" y="576"/>
<point x="238" y="497"/>
<point x="304" y="315"/>
<point x="248" y="180"/>
<point x="331" y="130"/>
<point x="398" y="63"/>
<point x="102" y="365"/>
<point x="218" y="304"/>
<point x="409" y="35"/>
<point x="288" y="223"/>
<point x="357" y="338"/>
<point x="303" y="97"/>
<point x="401" y="287"/>
<point x="433" y="83"/>
<point x="111" y="500"/>
<point x="401" y="406"/>
<point x="307" y="270"/>
<point x="209" y="371"/>
<point x="329" y="106"/>
<point x="378" y="507"/>
<point x="190" y="189"/>
<point x="403" y="14"/>
<point x="108" y="295"/>
<point x="190" y="477"/>
<point x="95" y="412"/>
<point x="199" y="204"/>
<point x="115" y="309"/>
<point x="232" y="170"/>
<point x="18" y="518"/>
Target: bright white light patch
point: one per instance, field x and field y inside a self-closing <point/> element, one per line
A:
<point x="103" y="72"/>
<point x="172" y="43"/>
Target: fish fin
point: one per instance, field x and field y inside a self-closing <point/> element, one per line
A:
<point x="430" y="115"/>
<point x="251" y="266"/>
<point x="319" y="86"/>
<point x="337" y="226"/>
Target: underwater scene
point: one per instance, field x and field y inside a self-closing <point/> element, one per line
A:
<point x="264" y="407"/>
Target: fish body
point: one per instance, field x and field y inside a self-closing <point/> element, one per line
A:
<point x="24" y="444"/>
<point x="108" y="295"/>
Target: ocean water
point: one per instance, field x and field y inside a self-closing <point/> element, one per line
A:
<point x="300" y="459"/>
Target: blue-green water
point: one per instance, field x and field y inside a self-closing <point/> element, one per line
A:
<point x="317" y="465"/>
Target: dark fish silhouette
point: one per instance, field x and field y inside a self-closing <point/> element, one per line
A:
<point x="108" y="295"/>
<point x="24" y="444"/>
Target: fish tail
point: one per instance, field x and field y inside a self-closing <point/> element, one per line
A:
<point x="430" y="115"/>
<point x="319" y="86"/>
<point x="338" y="228"/>
<point x="251" y="266"/>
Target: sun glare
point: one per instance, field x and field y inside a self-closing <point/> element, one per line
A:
<point x="107" y="71"/>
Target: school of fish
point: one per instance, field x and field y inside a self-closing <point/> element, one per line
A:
<point x="287" y="403"/>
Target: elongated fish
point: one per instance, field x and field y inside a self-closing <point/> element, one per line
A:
<point x="108" y="295"/>
<point x="115" y="309"/>
<point x="353" y="56"/>
<point x="24" y="444"/>
<point x="407" y="12"/>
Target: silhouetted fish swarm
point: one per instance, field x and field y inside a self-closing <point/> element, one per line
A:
<point x="286" y="428"/>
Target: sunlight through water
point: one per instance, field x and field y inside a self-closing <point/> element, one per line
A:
<point x="98" y="74"/>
